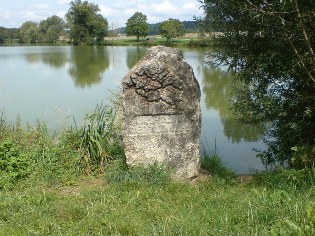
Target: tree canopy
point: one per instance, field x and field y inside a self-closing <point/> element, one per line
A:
<point x="269" y="45"/>
<point x="51" y="28"/>
<point x="8" y="34"/>
<point x="137" y="25"/>
<point x="29" y="32"/>
<point x="172" y="28"/>
<point x="85" y="22"/>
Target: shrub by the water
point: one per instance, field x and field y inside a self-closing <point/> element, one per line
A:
<point x="13" y="164"/>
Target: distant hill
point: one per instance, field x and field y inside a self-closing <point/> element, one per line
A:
<point x="190" y="27"/>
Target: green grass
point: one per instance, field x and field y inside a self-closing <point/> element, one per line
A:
<point x="179" y="42"/>
<point x="99" y="207"/>
<point x="57" y="196"/>
<point x="213" y="164"/>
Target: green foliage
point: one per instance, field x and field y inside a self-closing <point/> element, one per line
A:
<point x="86" y="25"/>
<point x="269" y="46"/>
<point x="29" y="32"/>
<point x="307" y="227"/>
<point x="13" y="165"/>
<point x="294" y="180"/>
<point x="154" y="29"/>
<point x="8" y="34"/>
<point x="137" y="25"/>
<point x="214" y="165"/>
<point x="172" y="28"/>
<point x="155" y="174"/>
<point x="100" y="140"/>
<point x="51" y="28"/>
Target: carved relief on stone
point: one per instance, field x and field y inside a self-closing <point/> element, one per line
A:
<point x="161" y="108"/>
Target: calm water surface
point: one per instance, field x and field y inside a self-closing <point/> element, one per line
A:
<point x="54" y="84"/>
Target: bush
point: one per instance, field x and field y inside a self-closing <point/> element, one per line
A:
<point x="13" y="165"/>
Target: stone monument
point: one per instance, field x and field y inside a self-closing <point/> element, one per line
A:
<point x="161" y="112"/>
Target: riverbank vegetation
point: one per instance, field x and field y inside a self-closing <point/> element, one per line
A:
<point x="270" y="49"/>
<point x="84" y="25"/>
<point x="77" y="182"/>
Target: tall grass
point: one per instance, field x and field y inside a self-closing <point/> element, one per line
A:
<point x="213" y="164"/>
<point x="100" y="139"/>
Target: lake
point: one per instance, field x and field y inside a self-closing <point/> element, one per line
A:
<point x="55" y="84"/>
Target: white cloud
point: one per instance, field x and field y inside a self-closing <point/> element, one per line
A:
<point x="62" y="2"/>
<point x="153" y="18"/>
<point x="107" y="11"/>
<point x="41" y="6"/>
<point x="61" y="14"/>
<point x="190" y="6"/>
<point x="130" y="11"/>
<point x="5" y="15"/>
<point x="165" y="8"/>
<point x="32" y="15"/>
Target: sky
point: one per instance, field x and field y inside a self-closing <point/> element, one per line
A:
<point x="13" y="13"/>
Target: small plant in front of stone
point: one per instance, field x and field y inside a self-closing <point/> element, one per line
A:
<point x="213" y="164"/>
<point x="100" y="140"/>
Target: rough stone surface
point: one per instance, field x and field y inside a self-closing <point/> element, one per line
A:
<point x="161" y="112"/>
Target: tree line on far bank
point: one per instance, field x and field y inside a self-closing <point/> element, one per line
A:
<point x="85" y="25"/>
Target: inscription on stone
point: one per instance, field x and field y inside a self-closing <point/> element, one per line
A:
<point x="144" y="125"/>
<point x="161" y="112"/>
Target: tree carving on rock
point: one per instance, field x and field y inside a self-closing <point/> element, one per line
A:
<point x="156" y="83"/>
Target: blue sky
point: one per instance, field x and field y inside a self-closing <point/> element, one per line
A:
<point x="13" y="13"/>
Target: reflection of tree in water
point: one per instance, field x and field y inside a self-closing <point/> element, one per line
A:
<point x="88" y="63"/>
<point x="33" y="57"/>
<point x="134" y="54"/>
<point x="217" y="87"/>
<point x="56" y="59"/>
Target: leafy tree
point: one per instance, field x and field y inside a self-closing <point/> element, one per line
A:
<point x="270" y="47"/>
<point x="2" y="35"/>
<point x="101" y="28"/>
<point x="172" y="28"/>
<point x="85" y="22"/>
<point x="51" y="28"/>
<point x="29" y="32"/>
<point x="137" y="25"/>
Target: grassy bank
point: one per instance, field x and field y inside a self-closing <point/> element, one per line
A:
<point x="179" y="42"/>
<point x="72" y="184"/>
<point x="132" y="41"/>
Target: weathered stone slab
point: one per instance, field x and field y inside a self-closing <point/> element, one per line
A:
<point x="161" y="112"/>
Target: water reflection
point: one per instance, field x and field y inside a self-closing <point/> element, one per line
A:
<point x="55" y="60"/>
<point x="88" y="64"/>
<point x="134" y="54"/>
<point x="48" y="80"/>
<point x="54" y="57"/>
<point x="217" y="87"/>
<point x="33" y="57"/>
